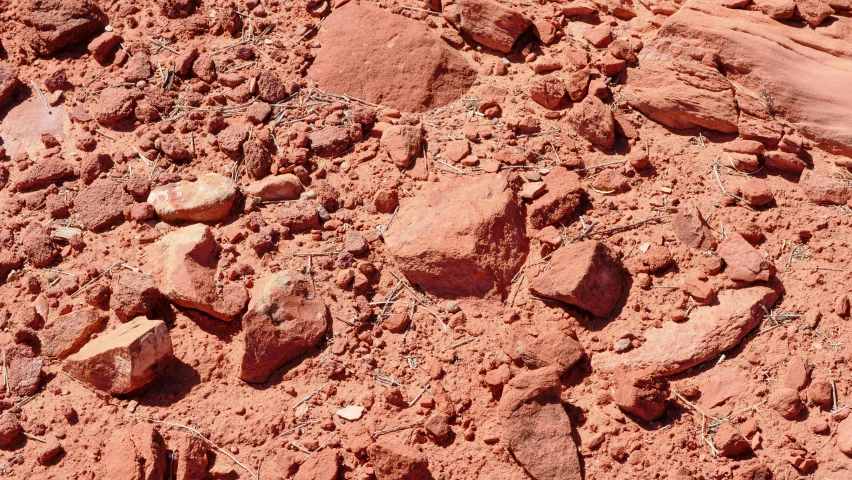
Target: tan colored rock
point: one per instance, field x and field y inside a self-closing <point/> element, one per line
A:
<point x="277" y="187"/>
<point x="68" y="333"/>
<point x="207" y="199"/>
<point x="125" y="359"/>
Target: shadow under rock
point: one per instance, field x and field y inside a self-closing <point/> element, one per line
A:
<point x="175" y="384"/>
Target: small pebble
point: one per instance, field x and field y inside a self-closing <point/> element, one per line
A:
<point x="622" y="345"/>
<point x="108" y="28"/>
<point x="452" y="307"/>
<point x="141" y="84"/>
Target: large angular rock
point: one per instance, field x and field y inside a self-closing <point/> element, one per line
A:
<point x="463" y="236"/>
<point x="640" y="392"/>
<point x="68" y="333"/>
<point x="281" y="324"/>
<point x="562" y="196"/>
<point x="593" y="120"/>
<point x="587" y="275"/>
<point x="135" y="452"/>
<point x="101" y="204"/>
<point x="824" y="190"/>
<point x="774" y="58"/>
<point x="398" y="462"/>
<point x="49" y="170"/>
<point x="745" y="264"/>
<point x="489" y="23"/>
<point x="682" y="95"/>
<point x="207" y="199"/>
<point x="133" y="294"/>
<point x="536" y="428"/>
<point x="125" y="359"/>
<point x="374" y="55"/>
<point x="709" y="331"/>
<point x="188" y="277"/>
<point x="57" y="23"/>
<point x="23" y="370"/>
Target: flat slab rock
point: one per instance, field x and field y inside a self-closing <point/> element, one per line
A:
<point x="709" y="331"/>
<point x="68" y="333"/>
<point x="281" y="323"/>
<point x="207" y="199"/>
<point x="383" y="58"/>
<point x="125" y="359"/>
<point x="786" y="60"/>
<point x="464" y="236"/>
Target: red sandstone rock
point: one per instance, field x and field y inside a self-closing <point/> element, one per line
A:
<point x="640" y="392"/>
<point x="208" y="199"/>
<point x="280" y="325"/>
<point x="101" y="205"/>
<point x="125" y="359"/>
<point x="418" y="70"/>
<point x="135" y="451"/>
<point x="463" y="236"/>
<point x="824" y="190"/>
<point x="745" y="264"/>
<point x="68" y="333"/>
<point x="585" y="274"/>
<point x="57" y="23"/>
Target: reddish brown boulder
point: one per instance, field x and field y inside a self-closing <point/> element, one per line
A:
<point x="593" y="120"/>
<point x="692" y="230"/>
<point x="330" y="141"/>
<point x="23" y="371"/>
<point x="784" y="161"/>
<point x="777" y="9"/>
<point x="125" y="359"/>
<point x="730" y="442"/>
<point x="133" y="294"/>
<point x="135" y="451"/>
<point x="281" y="324"/>
<point x="417" y="71"/>
<point x="562" y="196"/>
<point x="177" y="8"/>
<point x="551" y="348"/>
<point x="824" y="190"/>
<point x="786" y="402"/>
<point x="640" y="392"/>
<point x="57" y="23"/>
<point x="402" y="143"/>
<point x="10" y="430"/>
<point x="270" y="88"/>
<point x="276" y="187"/>
<point x="8" y="84"/>
<point x="49" y="170"/>
<point x="322" y="466"/>
<point x="114" y="104"/>
<point x="398" y="462"/>
<point x="756" y="192"/>
<point x="192" y="458"/>
<point x="48" y="452"/>
<point x="844" y="437"/>
<point x="101" y="204"/>
<point x="813" y="12"/>
<point x="710" y="331"/>
<point x="207" y="199"/>
<point x="745" y="264"/>
<point x="682" y="95"/>
<point x="462" y="236"/>
<point x="38" y="246"/>
<point x="587" y="275"/>
<point x="547" y="91"/>
<point x="231" y="139"/>
<point x="188" y="277"/>
<point x="103" y="44"/>
<point x="68" y="333"/>
<point x="489" y="23"/>
<point x="655" y="259"/>
<point x="536" y="428"/>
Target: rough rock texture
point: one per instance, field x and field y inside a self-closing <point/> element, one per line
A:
<point x="547" y="91"/>
<point x="562" y="196"/>
<point x="23" y="370"/>
<point x="730" y="442"/>
<point x="49" y="170"/>
<point x="710" y="331"/>
<point x="692" y="230"/>
<point x="330" y="141"/>
<point x="188" y="277"/>
<point x="58" y="23"/>
<point x="401" y="142"/>
<point x="682" y="95"/>
<point x="640" y="392"/>
<point x="463" y="236"/>
<point x="593" y="120"/>
<point x="550" y="348"/>
<point x="786" y="61"/>
<point x="745" y="264"/>
<point x="191" y="458"/>
<point x="398" y="462"/>
<point x="322" y="466"/>
<point x="8" y="84"/>
<point x="586" y="274"/>
<point x="68" y="333"/>
<point x="418" y="69"/>
<point x="102" y="204"/>
<point x="114" y="105"/>
<point x="133" y="294"/>
<point x="490" y="23"/>
<point x="207" y="199"/>
<point x="135" y="452"/>
<point x="824" y="190"/>
<point x="536" y="428"/>
<point x="125" y="359"/>
<point x="844" y="437"/>
<point x="281" y="324"/>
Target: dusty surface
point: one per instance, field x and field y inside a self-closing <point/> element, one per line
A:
<point x="468" y="239"/>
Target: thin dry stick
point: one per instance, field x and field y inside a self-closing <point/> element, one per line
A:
<point x="90" y="282"/>
<point x="41" y="96"/>
<point x="13" y="461"/>
<point x="719" y="179"/>
<point x="309" y="396"/>
<point x="20" y="404"/>
<point x="599" y="166"/>
<point x="33" y="437"/>
<point x="459" y="344"/>
<point x="5" y="375"/>
<point x="209" y="442"/>
<point x="399" y="427"/>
